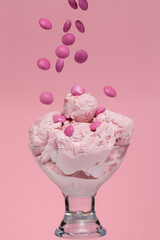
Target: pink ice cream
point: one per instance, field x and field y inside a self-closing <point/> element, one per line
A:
<point x="80" y="108"/>
<point x="42" y="136"/>
<point x="87" y="155"/>
<point x="124" y="124"/>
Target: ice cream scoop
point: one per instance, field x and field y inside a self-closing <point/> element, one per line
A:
<point x="80" y="108"/>
<point x="125" y="125"/>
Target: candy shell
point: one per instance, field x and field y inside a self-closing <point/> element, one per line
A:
<point x="43" y="63"/>
<point x="73" y="4"/>
<point x="46" y="98"/>
<point x="83" y="4"/>
<point x="80" y="26"/>
<point x="94" y="126"/>
<point x="45" y="23"/>
<point x="59" y="118"/>
<point x="59" y="65"/>
<point x="68" y="39"/>
<point x="80" y="56"/>
<point x="62" y="51"/>
<point x="77" y="90"/>
<point x="100" y="110"/>
<point x="69" y="131"/>
<point x="67" y="26"/>
<point x="109" y="91"/>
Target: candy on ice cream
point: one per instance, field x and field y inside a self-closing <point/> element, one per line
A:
<point x="59" y="118"/>
<point x="69" y="130"/>
<point x="77" y="90"/>
<point x="99" y="111"/>
<point x="94" y="126"/>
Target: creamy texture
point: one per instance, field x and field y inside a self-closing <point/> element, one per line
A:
<point x="80" y="108"/>
<point x="124" y="124"/>
<point x="42" y="136"/>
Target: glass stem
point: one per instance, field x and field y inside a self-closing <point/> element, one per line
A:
<point x="80" y="219"/>
<point x="79" y="205"/>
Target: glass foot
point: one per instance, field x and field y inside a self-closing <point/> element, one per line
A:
<point x="80" y="223"/>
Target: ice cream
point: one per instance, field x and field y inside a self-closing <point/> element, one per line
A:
<point x="77" y="146"/>
<point x="124" y="125"/>
<point x="81" y="108"/>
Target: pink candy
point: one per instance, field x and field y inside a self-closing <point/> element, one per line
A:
<point x="80" y="56"/>
<point x="62" y="51"/>
<point x="43" y="63"/>
<point x="80" y="26"/>
<point x="73" y="4"/>
<point x="109" y="91"/>
<point x="59" y="118"/>
<point x="69" y="131"/>
<point x="45" y="23"/>
<point x="83" y="4"/>
<point x="67" y="26"/>
<point x="68" y="39"/>
<point x="77" y="90"/>
<point x="46" y="98"/>
<point x="94" y="126"/>
<point x="100" y="110"/>
<point x="59" y="65"/>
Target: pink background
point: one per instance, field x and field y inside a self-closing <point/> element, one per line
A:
<point x="123" y="42"/>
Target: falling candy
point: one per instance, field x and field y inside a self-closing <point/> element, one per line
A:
<point x="45" y="23"/>
<point x="62" y="51"/>
<point x="59" y="65"/>
<point x="109" y="91"/>
<point x="80" y="56"/>
<point x="73" y="4"/>
<point x="67" y="26"/>
<point x="83" y="4"/>
<point x="43" y="63"/>
<point x="80" y="26"/>
<point x="68" y="39"/>
<point x="46" y="98"/>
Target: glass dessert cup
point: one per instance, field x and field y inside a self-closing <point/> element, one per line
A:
<point x="79" y="176"/>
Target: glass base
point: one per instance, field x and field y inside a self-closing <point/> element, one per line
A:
<point x="80" y="223"/>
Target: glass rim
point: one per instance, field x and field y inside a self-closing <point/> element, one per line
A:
<point x="94" y="148"/>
